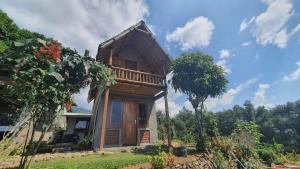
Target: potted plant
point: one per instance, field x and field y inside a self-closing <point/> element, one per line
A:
<point x="182" y="149"/>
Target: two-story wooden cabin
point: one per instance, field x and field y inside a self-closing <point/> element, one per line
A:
<point x="124" y="114"/>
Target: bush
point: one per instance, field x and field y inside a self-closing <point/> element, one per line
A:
<point x="270" y="153"/>
<point x="86" y="143"/>
<point x="219" y="161"/>
<point x="158" y="161"/>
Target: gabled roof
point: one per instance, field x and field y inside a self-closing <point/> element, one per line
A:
<point x="140" y="38"/>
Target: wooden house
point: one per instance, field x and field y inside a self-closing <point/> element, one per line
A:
<point x="124" y="114"/>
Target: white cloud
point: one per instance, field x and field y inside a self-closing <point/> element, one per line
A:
<point x="174" y="108"/>
<point x="245" y="24"/>
<point x="296" y="29"/>
<point x="281" y="39"/>
<point x="226" y="99"/>
<point x="268" y="1"/>
<point x="224" y="53"/>
<point x="223" y="63"/>
<point x="78" y="24"/>
<point x="246" y="43"/>
<point x="295" y="75"/>
<point x="81" y="99"/>
<point x="196" y="33"/>
<point x="260" y="96"/>
<point x="269" y="25"/>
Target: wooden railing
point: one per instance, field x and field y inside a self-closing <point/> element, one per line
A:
<point x="138" y="77"/>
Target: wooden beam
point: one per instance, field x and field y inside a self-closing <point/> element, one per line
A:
<point x="139" y="83"/>
<point x="104" y="114"/>
<point x="168" y="119"/>
<point x="110" y="62"/>
<point x="163" y="93"/>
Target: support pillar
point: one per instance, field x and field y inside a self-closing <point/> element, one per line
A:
<point x="168" y="118"/>
<point x="104" y="114"/>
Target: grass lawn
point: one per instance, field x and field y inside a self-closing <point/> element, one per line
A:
<point x="293" y="158"/>
<point x="111" y="161"/>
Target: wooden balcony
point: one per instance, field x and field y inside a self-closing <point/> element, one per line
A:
<point x="138" y="77"/>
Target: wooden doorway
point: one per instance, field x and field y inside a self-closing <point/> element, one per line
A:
<point x="129" y="123"/>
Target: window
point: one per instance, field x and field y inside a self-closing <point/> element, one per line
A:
<point x="82" y="124"/>
<point x="142" y="114"/>
<point x="116" y="113"/>
<point x="130" y="65"/>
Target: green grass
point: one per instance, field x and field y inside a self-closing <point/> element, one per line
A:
<point x="111" y="161"/>
<point x="293" y="158"/>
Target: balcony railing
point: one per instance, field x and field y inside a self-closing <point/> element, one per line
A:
<point x="133" y="76"/>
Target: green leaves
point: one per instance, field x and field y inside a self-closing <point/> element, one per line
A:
<point x="57" y="76"/>
<point x="18" y="44"/>
<point x="196" y="75"/>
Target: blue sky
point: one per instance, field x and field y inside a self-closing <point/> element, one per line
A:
<point x="257" y="42"/>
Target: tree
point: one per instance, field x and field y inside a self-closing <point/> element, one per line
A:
<point x="9" y="33"/>
<point x="183" y="125"/>
<point x="44" y="76"/>
<point x="195" y="75"/>
<point x="280" y="124"/>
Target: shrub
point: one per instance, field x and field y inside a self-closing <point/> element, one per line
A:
<point x="158" y="161"/>
<point x="269" y="153"/>
<point x="219" y="161"/>
<point x="247" y="134"/>
<point x="86" y="143"/>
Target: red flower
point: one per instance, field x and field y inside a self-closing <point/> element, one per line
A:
<point x="51" y="50"/>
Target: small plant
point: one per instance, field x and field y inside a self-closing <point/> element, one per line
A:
<point x="86" y="142"/>
<point x="159" y="160"/>
<point x="219" y="160"/>
<point x="270" y="153"/>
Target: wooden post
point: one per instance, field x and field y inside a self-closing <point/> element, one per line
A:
<point x="104" y="113"/>
<point x="168" y="118"/>
<point x="105" y="107"/>
<point x="110" y="62"/>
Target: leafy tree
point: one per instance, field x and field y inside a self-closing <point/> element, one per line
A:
<point x="9" y="33"/>
<point x="161" y="127"/>
<point x="183" y="125"/>
<point x="44" y="76"/>
<point x="195" y="75"/>
<point x="244" y="129"/>
<point x="280" y="124"/>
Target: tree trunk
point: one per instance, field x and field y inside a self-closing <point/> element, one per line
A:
<point x="168" y="120"/>
<point x="199" y="118"/>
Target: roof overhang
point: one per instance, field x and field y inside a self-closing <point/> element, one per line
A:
<point x="6" y="128"/>
<point x="140" y="38"/>
<point x="77" y="115"/>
